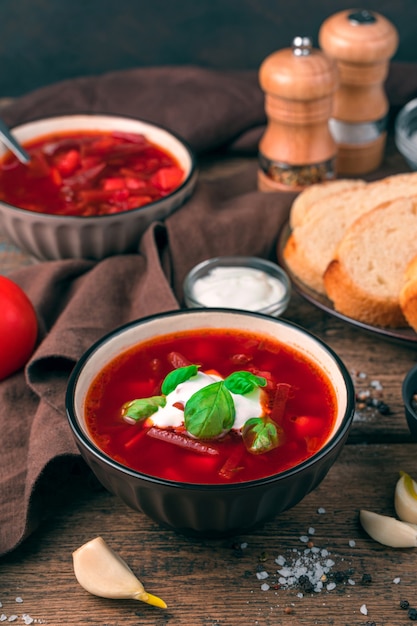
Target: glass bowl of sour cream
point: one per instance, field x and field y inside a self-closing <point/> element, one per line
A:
<point x="238" y="282"/>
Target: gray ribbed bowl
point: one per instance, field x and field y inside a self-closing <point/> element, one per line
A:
<point x="48" y="237"/>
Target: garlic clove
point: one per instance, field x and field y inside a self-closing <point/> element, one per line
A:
<point x="388" y="530"/>
<point x="102" y="572"/>
<point x="405" y="499"/>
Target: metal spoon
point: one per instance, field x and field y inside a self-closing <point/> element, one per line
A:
<point x="7" y="138"/>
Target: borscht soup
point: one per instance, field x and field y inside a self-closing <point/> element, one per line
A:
<point x="210" y="406"/>
<point x="89" y="172"/>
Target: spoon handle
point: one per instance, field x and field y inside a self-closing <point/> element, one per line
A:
<point x="7" y="138"/>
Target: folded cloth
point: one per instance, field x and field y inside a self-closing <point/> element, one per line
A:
<point x="78" y="301"/>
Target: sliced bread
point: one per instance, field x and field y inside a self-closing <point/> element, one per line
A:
<point x="312" y="245"/>
<point x="310" y="195"/>
<point x="365" y="277"/>
<point x="408" y="293"/>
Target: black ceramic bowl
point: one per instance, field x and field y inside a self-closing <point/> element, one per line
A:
<point x="205" y="509"/>
<point x="409" y="391"/>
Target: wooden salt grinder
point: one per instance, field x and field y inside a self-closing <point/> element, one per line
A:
<point x="361" y="42"/>
<point x="297" y="148"/>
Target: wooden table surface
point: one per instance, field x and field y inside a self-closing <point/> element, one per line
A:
<point x="235" y="582"/>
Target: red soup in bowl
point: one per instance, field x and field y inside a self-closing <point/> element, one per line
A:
<point x="88" y="172"/>
<point x="210" y="406"/>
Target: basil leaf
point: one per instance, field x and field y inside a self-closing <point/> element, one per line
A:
<point x="244" y="382"/>
<point x="176" y="377"/>
<point x="144" y="407"/>
<point x="260" y="435"/>
<point x="209" y="412"/>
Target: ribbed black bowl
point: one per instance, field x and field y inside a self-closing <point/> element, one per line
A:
<point x="209" y="510"/>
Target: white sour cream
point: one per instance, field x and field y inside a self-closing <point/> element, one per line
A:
<point x="246" y="406"/>
<point x="238" y="288"/>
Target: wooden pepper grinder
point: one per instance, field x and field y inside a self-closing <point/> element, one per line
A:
<point x="361" y="42"/>
<point x="297" y="148"/>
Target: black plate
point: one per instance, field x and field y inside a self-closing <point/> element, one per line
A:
<point x="405" y="336"/>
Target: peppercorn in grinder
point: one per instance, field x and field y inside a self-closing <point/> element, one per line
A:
<point x="361" y="42"/>
<point x="297" y="148"/>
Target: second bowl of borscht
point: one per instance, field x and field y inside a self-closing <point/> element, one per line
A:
<point x="210" y="421"/>
<point x="93" y="184"/>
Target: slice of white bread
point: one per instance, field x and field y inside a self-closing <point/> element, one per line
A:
<point x="312" y="245"/>
<point x="408" y="293"/>
<point x="314" y="193"/>
<point x="365" y="277"/>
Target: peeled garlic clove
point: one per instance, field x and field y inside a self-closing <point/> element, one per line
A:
<point x="388" y="530"/>
<point x="405" y="499"/>
<point x="102" y="572"/>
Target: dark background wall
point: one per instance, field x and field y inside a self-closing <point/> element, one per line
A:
<point x="45" y="41"/>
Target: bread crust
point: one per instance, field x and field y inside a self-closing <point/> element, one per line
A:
<point x="299" y="265"/>
<point x="352" y="301"/>
<point x="408" y="294"/>
<point x="365" y="277"/>
<point x="315" y="193"/>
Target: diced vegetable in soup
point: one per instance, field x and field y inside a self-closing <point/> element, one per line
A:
<point x="89" y="173"/>
<point x="210" y="406"/>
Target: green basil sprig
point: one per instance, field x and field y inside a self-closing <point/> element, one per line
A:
<point x="243" y="382"/>
<point x="210" y="411"/>
<point x="260" y="434"/>
<point x="176" y="377"/>
<point x="144" y="407"/>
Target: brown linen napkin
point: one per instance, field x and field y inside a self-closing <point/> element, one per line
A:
<point x="78" y="301"/>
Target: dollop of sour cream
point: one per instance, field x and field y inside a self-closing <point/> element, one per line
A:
<point x="239" y="288"/>
<point x="246" y="406"/>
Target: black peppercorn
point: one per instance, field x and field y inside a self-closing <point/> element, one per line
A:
<point x="412" y="614"/>
<point x="366" y="579"/>
<point x="383" y="408"/>
<point x="305" y="584"/>
<point x="404" y="604"/>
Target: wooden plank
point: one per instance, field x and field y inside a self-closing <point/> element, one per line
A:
<point x="208" y="582"/>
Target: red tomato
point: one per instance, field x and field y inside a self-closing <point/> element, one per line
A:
<point x="18" y="327"/>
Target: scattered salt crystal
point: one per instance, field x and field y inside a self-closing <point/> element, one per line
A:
<point x="351" y="582"/>
<point x="300" y="595"/>
<point x="352" y="543"/>
<point x="304" y="538"/>
<point x="329" y="563"/>
<point x="396" y="580"/>
<point x="321" y="510"/>
<point x="27" y="619"/>
<point x="19" y="599"/>
<point x="262" y="575"/>
<point x="363" y="609"/>
<point x="331" y="586"/>
<point x="12" y="618"/>
<point x="243" y="545"/>
<point x="264" y="587"/>
<point x="315" y="550"/>
<point x="311" y="530"/>
<point x="280" y="560"/>
<point x="376" y="385"/>
<point x="324" y="552"/>
<point x="3" y="617"/>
